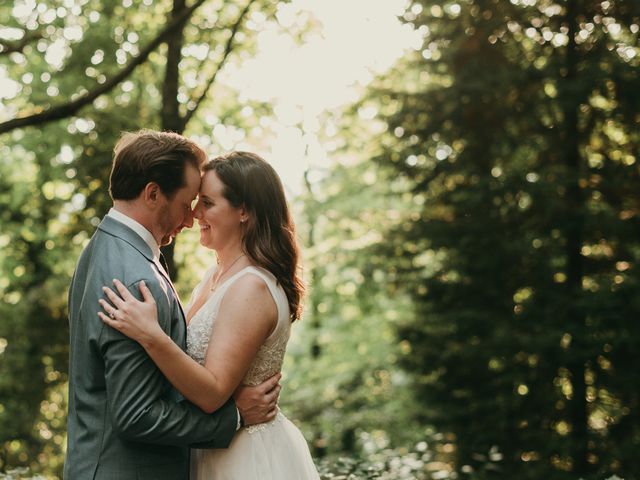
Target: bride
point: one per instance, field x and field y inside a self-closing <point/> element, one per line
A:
<point x="239" y="317"/>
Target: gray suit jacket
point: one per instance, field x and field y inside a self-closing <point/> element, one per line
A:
<point x="125" y="419"/>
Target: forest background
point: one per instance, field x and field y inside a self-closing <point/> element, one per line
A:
<point x="468" y="201"/>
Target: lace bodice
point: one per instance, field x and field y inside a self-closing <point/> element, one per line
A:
<point x="269" y="359"/>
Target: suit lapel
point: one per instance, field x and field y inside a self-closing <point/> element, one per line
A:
<point x="113" y="227"/>
<point x="165" y="276"/>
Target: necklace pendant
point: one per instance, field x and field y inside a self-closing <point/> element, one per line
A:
<point x="218" y="277"/>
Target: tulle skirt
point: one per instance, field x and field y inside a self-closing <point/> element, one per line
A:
<point x="271" y="451"/>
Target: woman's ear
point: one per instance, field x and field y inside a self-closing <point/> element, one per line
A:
<point x="244" y="216"/>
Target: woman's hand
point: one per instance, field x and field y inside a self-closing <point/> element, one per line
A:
<point x="135" y="319"/>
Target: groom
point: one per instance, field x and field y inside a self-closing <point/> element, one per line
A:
<point x="125" y="419"/>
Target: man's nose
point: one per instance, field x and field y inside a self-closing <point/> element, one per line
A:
<point x="188" y="219"/>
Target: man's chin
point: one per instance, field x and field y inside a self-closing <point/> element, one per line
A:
<point x="166" y="240"/>
<point x="169" y="238"/>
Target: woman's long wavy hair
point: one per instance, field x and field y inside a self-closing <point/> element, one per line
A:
<point x="269" y="237"/>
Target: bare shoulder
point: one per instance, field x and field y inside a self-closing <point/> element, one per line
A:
<point x="249" y="300"/>
<point x="253" y="290"/>
<point x="251" y="283"/>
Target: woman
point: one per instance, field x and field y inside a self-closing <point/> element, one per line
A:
<point x="239" y="317"/>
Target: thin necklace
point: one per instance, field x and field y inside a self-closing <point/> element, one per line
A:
<point x="222" y="272"/>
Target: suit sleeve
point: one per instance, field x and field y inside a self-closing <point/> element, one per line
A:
<point x="137" y="393"/>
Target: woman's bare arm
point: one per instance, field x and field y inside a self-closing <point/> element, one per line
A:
<point x="246" y="317"/>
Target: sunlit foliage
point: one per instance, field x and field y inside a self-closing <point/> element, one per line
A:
<point x="54" y="176"/>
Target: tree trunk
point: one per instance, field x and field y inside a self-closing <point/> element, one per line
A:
<point x="170" y="115"/>
<point x="578" y="413"/>
<point x="313" y="315"/>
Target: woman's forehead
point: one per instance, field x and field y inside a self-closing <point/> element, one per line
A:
<point x="211" y="184"/>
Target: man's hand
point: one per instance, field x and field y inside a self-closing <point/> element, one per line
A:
<point x="258" y="404"/>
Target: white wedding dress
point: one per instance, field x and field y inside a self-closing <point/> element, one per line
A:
<point x="270" y="451"/>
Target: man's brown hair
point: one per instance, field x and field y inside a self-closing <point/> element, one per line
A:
<point x="150" y="156"/>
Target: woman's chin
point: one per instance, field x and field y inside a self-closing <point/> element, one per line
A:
<point x="204" y="241"/>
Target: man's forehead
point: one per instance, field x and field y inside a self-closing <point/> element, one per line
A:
<point x="193" y="178"/>
<point x="190" y="190"/>
<point x="198" y="184"/>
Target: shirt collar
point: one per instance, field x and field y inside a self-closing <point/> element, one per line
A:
<point x="139" y="229"/>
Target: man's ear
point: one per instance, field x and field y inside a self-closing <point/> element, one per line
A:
<point x="151" y="193"/>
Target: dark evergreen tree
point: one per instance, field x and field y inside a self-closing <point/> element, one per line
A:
<point x="516" y="129"/>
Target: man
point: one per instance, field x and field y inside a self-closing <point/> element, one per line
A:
<point x="125" y="420"/>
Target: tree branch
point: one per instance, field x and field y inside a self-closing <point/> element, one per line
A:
<point x="228" y="48"/>
<point x="7" y="46"/>
<point x="70" y="108"/>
